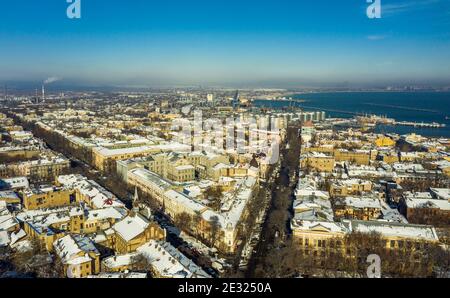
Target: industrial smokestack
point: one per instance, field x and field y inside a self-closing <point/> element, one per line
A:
<point x="43" y="92"/>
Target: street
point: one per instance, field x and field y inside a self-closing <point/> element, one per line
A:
<point x="276" y="228"/>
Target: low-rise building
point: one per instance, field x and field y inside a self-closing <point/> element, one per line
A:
<point x="318" y="161"/>
<point x="118" y="263"/>
<point x="167" y="262"/>
<point x="89" y="192"/>
<point x="10" y="197"/>
<point x="78" y="255"/>
<point x="133" y="231"/>
<point x="8" y="223"/>
<point x="104" y="159"/>
<point x="48" y="225"/>
<point x="320" y="235"/>
<point x="348" y="187"/>
<point x="361" y="157"/>
<point x="425" y="208"/>
<point x="47" y="197"/>
<point x="363" y="208"/>
<point x="16" y="183"/>
<point x="44" y="169"/>
<point x="384" y="141"/>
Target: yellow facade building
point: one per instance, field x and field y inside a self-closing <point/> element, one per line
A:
<point x="318" y="161"/>
<point x="390" y="158"/>
<point x="350" y="187"/>
<point x="357" y="208"/>
<point x="48" y="225"/>
<point x="360" y="157"/>
<point x="318" y="238"/>
<point x="104" y="159"/>
<point x="133" y="231"/>
<point x="47" y="198"/>
<point x="384" y="142"/>
<point x="79" y="256"/>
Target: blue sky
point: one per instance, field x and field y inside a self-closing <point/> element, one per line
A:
<point x="226" y="42"/>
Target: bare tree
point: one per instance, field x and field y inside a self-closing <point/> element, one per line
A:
<point x="184" y="221"/>
<point x="140" y="263"/>
<point x="214" y="229"/>
<point x="196" y="221"/>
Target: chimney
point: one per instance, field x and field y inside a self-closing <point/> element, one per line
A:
<point x="43" y="92"/>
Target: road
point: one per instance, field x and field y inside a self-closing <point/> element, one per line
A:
<point x="276" y="228"/>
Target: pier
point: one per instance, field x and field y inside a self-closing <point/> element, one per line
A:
<point x="419" y="124"/>
<point x="333" y="110"/>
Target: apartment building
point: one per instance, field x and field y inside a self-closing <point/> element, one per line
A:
<point x="318" y="161"/>
<point x="347" y="187"/>
<point x="44" y="169"/>
<point x="361" y="157"/>
<point x="78" y="255"/>
<point x="318" y="236"/>
<point x="363" y="208"/>
<point x="47" y="197"/>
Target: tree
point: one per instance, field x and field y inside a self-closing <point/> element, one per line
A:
<point x="183" y="220"/>
<point x="21" y="259"/>
<point x="196" y="221"/>
<point x="214" y="229"/>
<point x="46" y="269"/>
<point x="37" y="262"/>
<point x="441" y="261"/>
<point x="214" y="194"/>
<point x="347" y="256"/>
<point x="139" y="263"/>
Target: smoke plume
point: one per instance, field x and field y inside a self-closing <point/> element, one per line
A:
<point x="51" y="80"/>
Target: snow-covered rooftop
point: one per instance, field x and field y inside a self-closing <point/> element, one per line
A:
<point x="391" y="229"/>
<point x="131" y="226"/>
<point x="74" y="249"/>
<point x="169" y="262"/>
